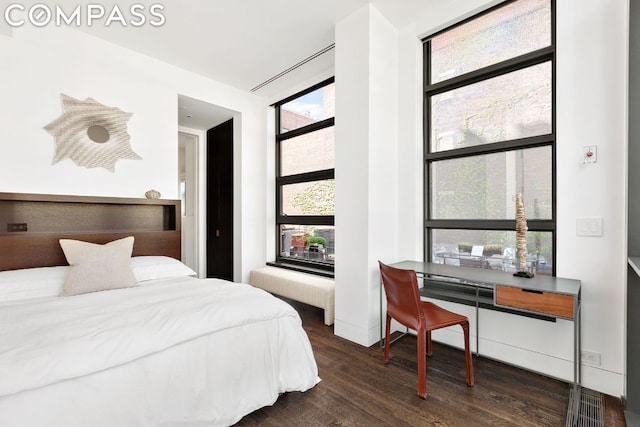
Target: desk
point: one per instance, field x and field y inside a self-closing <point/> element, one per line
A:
<point x="542" y="295"/>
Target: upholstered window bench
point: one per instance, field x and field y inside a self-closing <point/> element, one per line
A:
<point x="302" y="287"/>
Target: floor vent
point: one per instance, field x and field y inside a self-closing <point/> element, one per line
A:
<point x="590" y="409"/>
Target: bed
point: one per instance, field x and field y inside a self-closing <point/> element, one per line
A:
<point x="166" y="349"/>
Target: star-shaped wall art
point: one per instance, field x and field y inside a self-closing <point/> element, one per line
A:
<point x="91" y="134"/>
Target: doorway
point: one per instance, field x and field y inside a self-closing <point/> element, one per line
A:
<point x="219" y="196"/>
<point x="188" y="185"/>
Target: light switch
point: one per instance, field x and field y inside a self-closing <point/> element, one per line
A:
<point x="589" y="227"/>
<point x="589" y="154"/>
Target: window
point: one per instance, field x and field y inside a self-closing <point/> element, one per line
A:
<point x="489" y="120"/>
<point x="305" y="186"/>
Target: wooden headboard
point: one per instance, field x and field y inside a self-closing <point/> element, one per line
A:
<point x="31" y="226"/>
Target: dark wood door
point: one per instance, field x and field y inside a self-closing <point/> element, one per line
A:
<point x="220" y="201"/>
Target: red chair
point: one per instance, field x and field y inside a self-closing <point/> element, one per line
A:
<point x="404" y="305"/>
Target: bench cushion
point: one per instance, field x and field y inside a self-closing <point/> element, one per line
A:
<point x="307" y="288"/>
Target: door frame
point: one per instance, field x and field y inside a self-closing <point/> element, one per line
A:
<point x="197" y="160"/>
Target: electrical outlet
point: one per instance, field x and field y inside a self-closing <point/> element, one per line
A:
<point x="11" y="228"/>
<point x="590" y="358"/>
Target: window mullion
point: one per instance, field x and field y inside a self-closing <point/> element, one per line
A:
<point x="489" y="224"/>
<point x="306" y="177"/>
<point x="495" y="147"/>
<point x="514" y="64"/>
<point x="327" y="123"/>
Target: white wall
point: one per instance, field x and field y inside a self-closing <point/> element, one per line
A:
<point x="410" y="146"/>
<point x="41" y="63"/>
<point x="591" y="110"/>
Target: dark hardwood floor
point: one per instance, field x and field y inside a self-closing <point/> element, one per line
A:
<point x="358" y="389"/>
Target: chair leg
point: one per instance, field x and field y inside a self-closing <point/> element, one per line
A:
<point x="422" y="362"/>
<point x="429" y="348"/>
<point x="467" y="353"/>
<point x="387" y="337"/>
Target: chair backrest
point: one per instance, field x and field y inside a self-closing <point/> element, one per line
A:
<point x="403" y="297"/>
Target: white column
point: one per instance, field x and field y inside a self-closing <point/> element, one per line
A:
<point x="366" y="168"/>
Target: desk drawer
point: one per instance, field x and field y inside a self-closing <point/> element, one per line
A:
<point x="557" y="305"/>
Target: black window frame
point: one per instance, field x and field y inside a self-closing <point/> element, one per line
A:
<point x="309" y="266"/>
<point x="543" y="55"/>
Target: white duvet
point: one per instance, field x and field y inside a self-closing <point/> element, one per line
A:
<point x="248" y="344"/>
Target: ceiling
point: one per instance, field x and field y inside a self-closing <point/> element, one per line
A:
<point x="243" y="43"/>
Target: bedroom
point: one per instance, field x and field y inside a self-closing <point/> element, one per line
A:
<point x="591" y="110"/>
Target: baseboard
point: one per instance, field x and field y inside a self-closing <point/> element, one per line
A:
<point x="356" y="334"/>
<point x="592" y="377"/>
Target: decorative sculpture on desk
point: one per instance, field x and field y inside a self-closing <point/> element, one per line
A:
<point x="521" y="239"/>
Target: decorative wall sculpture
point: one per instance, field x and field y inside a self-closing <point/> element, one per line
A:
<point x="91" y="134"/>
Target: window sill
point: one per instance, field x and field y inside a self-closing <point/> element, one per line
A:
<point x="302" y="268"/>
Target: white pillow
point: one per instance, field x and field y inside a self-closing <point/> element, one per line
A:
<point x="32" y="283"/>
<point x="158" y="267"/>
<point x="97" y="267"/>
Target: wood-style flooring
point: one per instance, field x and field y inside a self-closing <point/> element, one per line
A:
<point x="358" y="389"/>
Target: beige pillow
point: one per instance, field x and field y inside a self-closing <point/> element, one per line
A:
<point x="97" y="267"/>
